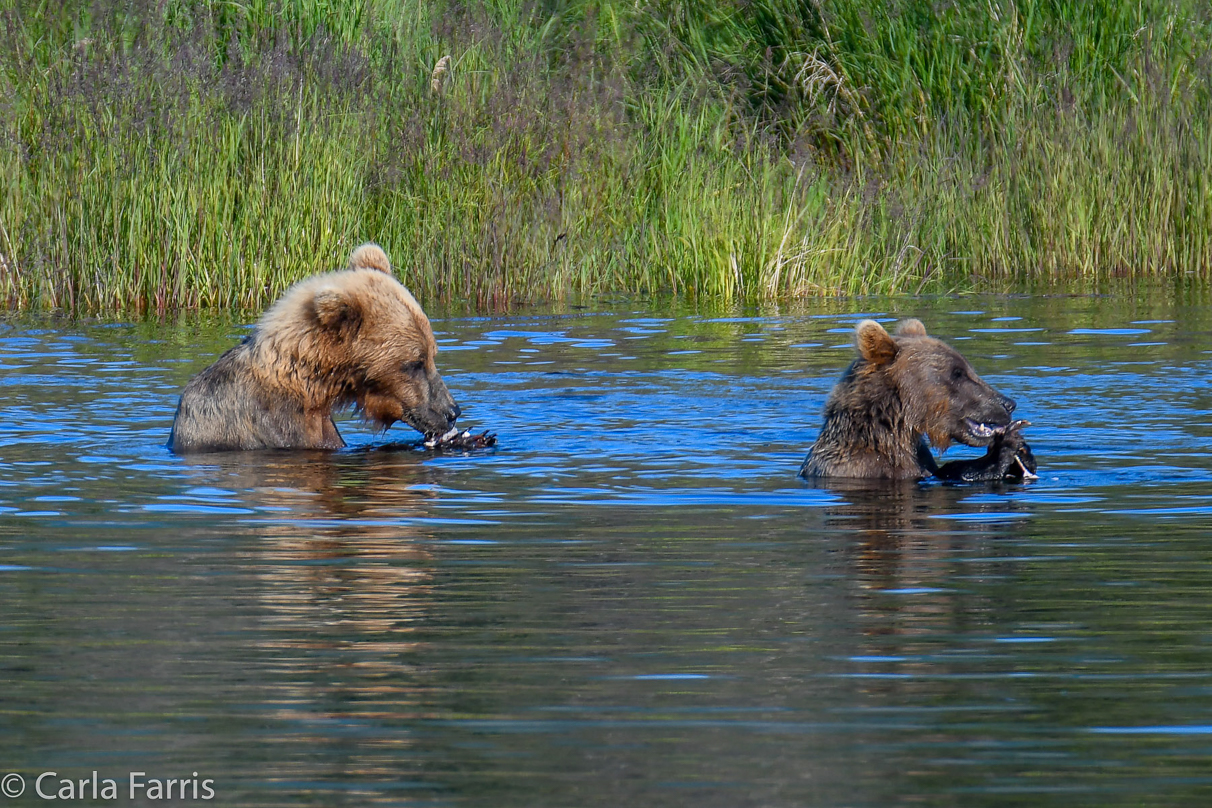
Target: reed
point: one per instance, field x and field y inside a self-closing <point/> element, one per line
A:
<point x="204" y="154"/>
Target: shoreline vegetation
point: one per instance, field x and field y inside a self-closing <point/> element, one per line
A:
<point x="169" y="154"/>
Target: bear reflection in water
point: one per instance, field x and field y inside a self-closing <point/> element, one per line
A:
<point x="911" y="552"/>
<point x="352" y="338"/>
<point x="903" y="390"/>
<point x="341" y="569"/>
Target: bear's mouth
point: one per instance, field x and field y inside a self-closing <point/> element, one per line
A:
<point x="426" y="426"/>
<point x="983" y="431"/>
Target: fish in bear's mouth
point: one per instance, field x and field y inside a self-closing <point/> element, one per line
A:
<point x="982" y="430"/>
<point x="453" y="438"/>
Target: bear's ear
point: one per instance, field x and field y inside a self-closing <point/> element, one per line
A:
<point x="334" y="308"/>
<point x="874" y="343"/>
<point x="910" y="328"/>
<point x="370" y="256"/>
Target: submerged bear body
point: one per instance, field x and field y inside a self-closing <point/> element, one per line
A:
<point x="906" y="389"/>
<point x="352" y="338"/>
<point x="225" y="408"/>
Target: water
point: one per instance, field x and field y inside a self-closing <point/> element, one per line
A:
<point x="633" y="601"/>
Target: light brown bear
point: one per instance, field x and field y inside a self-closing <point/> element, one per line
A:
<point x="356" y="337"/>
<point x="899" y="391"/>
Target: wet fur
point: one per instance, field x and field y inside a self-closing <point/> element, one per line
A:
<point x="352" y="338"/>
<point x="901" y="391"/>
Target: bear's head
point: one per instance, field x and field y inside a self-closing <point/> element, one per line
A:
<point x="381" y="337"/>
<point x="939" y="392"/>
<point x="358" y="337"/>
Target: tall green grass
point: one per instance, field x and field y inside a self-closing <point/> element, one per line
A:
<point x="198" y="153"/>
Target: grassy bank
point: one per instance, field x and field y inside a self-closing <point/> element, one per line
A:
<point x="197" y="153"/>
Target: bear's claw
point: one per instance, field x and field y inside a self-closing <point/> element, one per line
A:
<point x="1027" y="473"/>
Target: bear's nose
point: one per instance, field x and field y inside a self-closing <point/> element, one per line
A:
<point x="455" y="412"/>
<point x="1009" y="404"/>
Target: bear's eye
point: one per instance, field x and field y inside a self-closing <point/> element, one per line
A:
<point x="416" y="366"/>
<point x="957" y="374"/>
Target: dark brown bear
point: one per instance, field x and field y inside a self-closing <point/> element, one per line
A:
<point x="902" y="390"/>
<point x="346" y="338"/>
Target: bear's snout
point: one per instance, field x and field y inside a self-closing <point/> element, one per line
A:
<point x="1009" y="404"/>
<point x="437" y="411"/>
